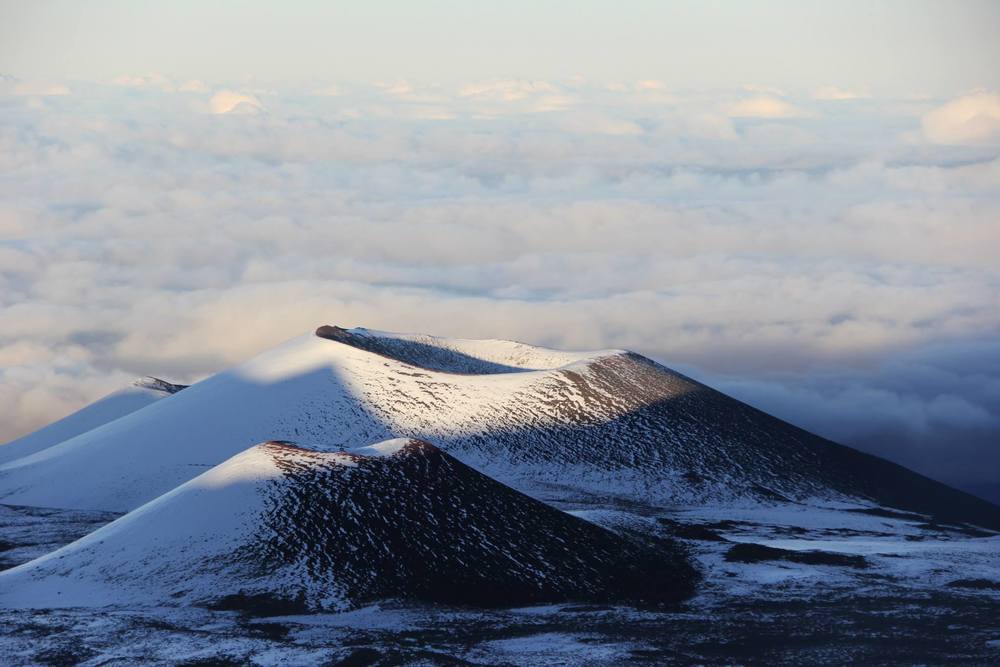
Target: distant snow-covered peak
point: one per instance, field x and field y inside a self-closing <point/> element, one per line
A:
<point x="156" y="384"/>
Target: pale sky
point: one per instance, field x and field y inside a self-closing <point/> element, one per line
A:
<point x="895" y="47"/>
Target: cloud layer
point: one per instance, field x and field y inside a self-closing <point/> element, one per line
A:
<point x="970" y="119"/>
<point x="828" y="257"/>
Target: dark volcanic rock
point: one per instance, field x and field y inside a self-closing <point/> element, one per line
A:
<point x="418" y="524"/>
<point x="975" y="584"/>
<point x="690" y="531"/>
<point x="160" y="385"/>
<point x="332" y="332"/>
<point x="756" y="553"/>
<point x="603" y="425"/>
<point x="628" y="413"/>
<point x="283" y="530"/>
<point x="431" y="357"/>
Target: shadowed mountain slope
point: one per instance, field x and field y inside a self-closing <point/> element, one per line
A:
<point x="281" y="528"/>
<point x="138" y="395"/>
<point x="557" y="425"/>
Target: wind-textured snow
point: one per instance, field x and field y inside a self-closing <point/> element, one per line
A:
<point x="854" y="558"/>
<point x="279" y="525"/>
<point x="556" y="425"/>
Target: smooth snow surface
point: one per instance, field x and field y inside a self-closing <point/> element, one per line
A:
<point x="384" y="448"/>
<point x="170" y="540"/>
<point x="138" y="395"/>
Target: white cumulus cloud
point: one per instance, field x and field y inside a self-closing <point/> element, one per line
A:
<point x="193" y="86"/>
<point x="764" y="106"/>
<point x="836" y="94"/>
<point x="40" y="89"/>
<point x="970" y="119"/>
<point x="138" y="237"/>
<point x="230" y="101"/>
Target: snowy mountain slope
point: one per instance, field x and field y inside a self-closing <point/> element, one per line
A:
<point x="279" y="526"/>
<point x="553" y="424"/>
<point x="308" y="389"/>
<point x="456" y="355"/>
<point x="138" y="395"/>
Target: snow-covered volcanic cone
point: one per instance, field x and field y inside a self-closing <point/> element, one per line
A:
<point x="138" y="395"/>
<point x="557" y="425"/>
<point x="281" y="528"/>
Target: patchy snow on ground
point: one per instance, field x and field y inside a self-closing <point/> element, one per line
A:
<point x="904" y="607"/>
<point x="809" y="553"/>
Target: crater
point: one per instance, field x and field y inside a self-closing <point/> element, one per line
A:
<point x="465" y="357"/>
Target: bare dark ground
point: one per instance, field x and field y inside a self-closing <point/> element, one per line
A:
<point x="872" y="617"/>
<point x="29" y="532"/>
<point x="938" y="628"/>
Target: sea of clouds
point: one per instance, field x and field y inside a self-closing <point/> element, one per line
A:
<point x="829" y="256"/>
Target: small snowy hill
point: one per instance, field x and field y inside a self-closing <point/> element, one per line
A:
<point x="279" y="527"/>
<point x="556" y="425"/>
<point x="138" y="395"/>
